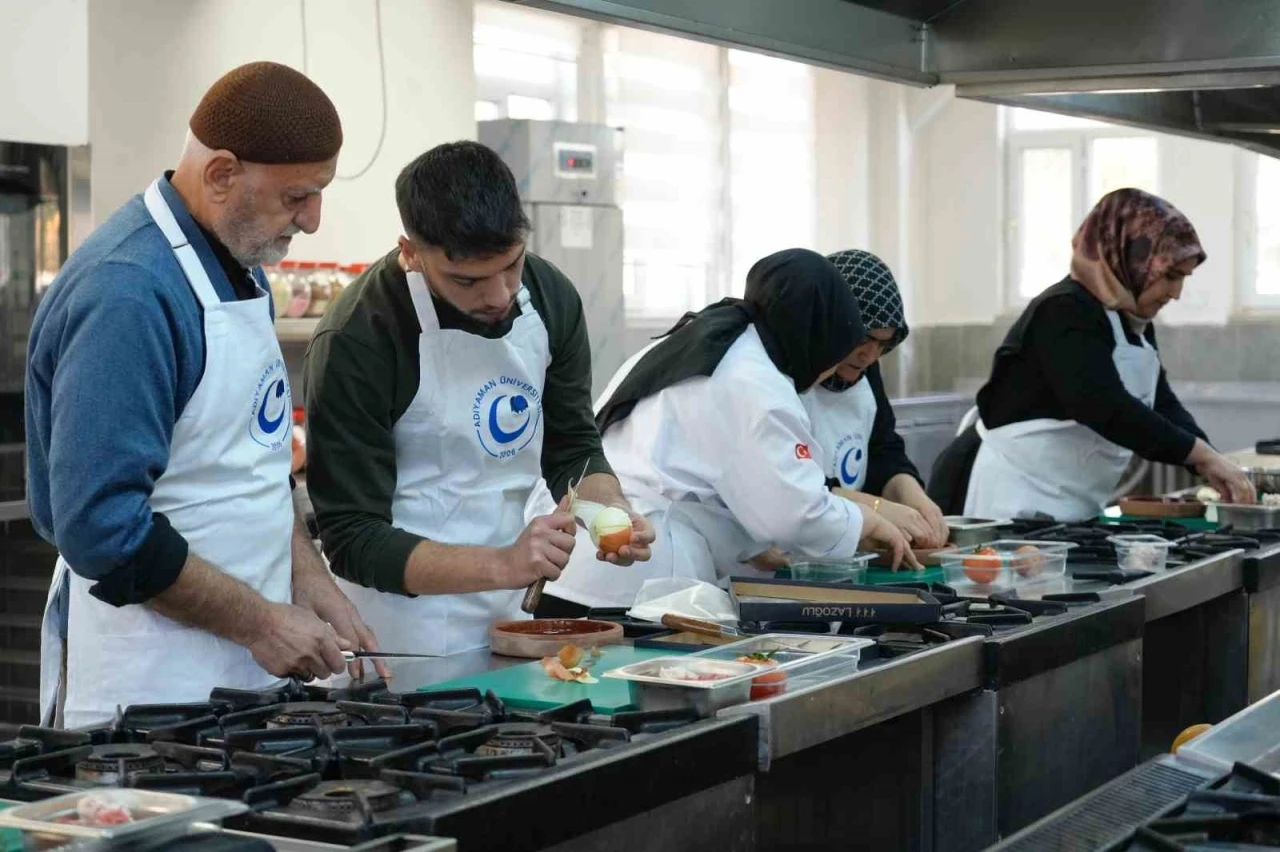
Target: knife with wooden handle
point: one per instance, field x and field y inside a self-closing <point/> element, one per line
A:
<point x="533" y="594"/>
<point x="697" y="625"/>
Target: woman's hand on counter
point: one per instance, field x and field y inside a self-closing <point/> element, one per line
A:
<point x="1226" y="477"/>
<point x="771" y="560"/>
<point x="884" y="535"/>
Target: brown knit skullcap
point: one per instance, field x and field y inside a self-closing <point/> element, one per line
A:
<point x="268" y="113"/>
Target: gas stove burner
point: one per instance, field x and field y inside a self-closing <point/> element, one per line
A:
<point x="345" y="799"/>
<point x="519" y="738"/>
<point x="111" y="764"/>
<point x="312" y="714"/>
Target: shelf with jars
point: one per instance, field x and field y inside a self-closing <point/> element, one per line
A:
<point x="303" y="290"/>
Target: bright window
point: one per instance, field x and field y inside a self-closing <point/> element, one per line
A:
<point x="718" y="145"/>
<point x="1266" y="266"/>
<point x="771" y="159"/>
<point x="526" y="64"/>
<point x="1058" y="168"/>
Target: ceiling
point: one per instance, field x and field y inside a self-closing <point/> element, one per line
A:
<point x="1203" y="68"/>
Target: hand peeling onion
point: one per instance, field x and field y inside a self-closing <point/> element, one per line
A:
<point x="610" y="529"/>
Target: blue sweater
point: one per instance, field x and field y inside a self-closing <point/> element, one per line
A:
<point x="117" y="348"/>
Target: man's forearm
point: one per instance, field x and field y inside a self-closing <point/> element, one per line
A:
<point x="603" y="488"/>
<point x="450" y="569"/>
<point x="307" y="561"/>
<point x="213" y="600"/>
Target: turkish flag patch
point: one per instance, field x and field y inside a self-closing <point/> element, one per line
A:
<point x="802" y="451"/>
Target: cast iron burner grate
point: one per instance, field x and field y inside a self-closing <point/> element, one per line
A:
<point x="520" y="738"/>
<point x="111" y="764"/>
<point x="313" y="714"/>
<point x="347" y="800"/>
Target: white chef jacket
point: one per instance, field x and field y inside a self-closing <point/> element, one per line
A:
<point x="731" y="457"/>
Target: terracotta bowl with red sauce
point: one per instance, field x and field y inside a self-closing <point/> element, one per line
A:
<point x="542" y="637"/>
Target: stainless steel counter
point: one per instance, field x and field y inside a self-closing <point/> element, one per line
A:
<point x="832" y="700"/>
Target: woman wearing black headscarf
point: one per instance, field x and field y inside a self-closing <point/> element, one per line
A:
<point x="866" y="459"/>
<point x="706" y="431"/>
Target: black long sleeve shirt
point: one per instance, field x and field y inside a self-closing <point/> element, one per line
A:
<point x="886" y="451"/>
<point x="1056" y="362"/>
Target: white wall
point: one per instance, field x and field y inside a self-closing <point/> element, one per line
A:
<point x="842" y="160"/>
<point x="960" y="156"/>
<point x="1199" y="179"/>
<point x="44" y="76"/>
<point x="150" y="61"/>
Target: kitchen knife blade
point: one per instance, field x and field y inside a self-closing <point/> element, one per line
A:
<point x="357" y="655"/>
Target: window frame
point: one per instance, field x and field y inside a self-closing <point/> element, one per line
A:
<point x="1078" y="141"/>
<point x="1246" y="229"/>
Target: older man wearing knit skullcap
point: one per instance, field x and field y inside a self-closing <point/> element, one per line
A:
<point x="158" y="418"/>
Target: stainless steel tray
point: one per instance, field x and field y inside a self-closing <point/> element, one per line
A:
<point x="1245" y="518"/>
<point x="153" y="811"/>
<point x="966" y="532"/>
<point x="789" y="651"/>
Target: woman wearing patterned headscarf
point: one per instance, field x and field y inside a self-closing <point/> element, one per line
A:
<point x="865" y="458"/>
<point x="1077" y="387"/>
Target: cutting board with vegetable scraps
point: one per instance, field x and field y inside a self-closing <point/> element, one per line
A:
<point x="528" y="687"/>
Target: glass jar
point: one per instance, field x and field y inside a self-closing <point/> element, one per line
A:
<point x="321" y="290"/>
<point x="281" y="288"/>
<point x="300" y="286"/>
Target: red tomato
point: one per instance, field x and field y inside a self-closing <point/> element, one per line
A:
<point x="768" y="684"/>
<point x="983" y="567"/>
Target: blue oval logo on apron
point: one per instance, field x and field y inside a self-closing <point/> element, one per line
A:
<point x="506" y="412"/>
<point x="853" y="454"/>
<point x="269" y="422"/>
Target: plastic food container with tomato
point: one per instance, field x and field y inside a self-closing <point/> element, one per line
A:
<point x="1005" y="562"/>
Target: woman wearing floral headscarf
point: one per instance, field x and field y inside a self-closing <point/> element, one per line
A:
<point x="1077" y="387"/>
<point x="866" y="460"/>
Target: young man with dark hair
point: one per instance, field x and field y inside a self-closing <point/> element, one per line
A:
<point x="443" y="384"/>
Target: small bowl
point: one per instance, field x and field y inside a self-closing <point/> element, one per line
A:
<point x="535" y="638"/>
<point x="1141" y="552"/>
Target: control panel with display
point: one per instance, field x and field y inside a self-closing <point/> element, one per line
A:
<point x="575" y="160"/>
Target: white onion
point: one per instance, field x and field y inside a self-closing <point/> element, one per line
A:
<point x="607" y="521"/>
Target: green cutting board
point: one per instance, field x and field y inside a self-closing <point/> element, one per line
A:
<point x="526" y="686"/>
<point x="1192" y="524"/>
<point x="883" y="576"/>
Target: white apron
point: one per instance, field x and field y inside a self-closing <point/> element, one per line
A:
<point x="1058" y="467"/>
<point x="842" y="422"/>
<point x="680" y="548"/>
<point x="468" y="453"/>
<point x="225" y="489"/>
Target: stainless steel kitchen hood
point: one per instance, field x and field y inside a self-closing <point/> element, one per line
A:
<point x="1204" y="68"/>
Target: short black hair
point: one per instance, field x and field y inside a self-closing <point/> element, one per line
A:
<point x="460" y="197"/>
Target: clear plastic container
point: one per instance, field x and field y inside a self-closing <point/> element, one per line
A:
<point x="1004" y="563"/>
<point x="1141" y="552"/>
<point x="852" y="570"/>
<point x="1251" y="736"/>
<point x="787" y="649"/>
